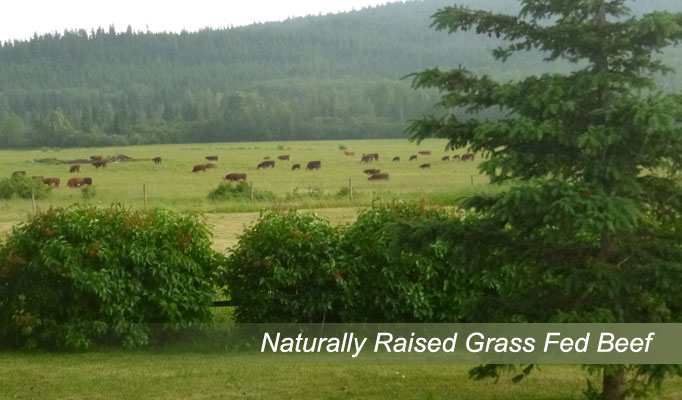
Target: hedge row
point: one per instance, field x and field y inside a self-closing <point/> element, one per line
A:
<point x="81" y="275"/>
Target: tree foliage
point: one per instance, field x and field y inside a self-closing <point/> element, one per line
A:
<point x="589" y="230"/>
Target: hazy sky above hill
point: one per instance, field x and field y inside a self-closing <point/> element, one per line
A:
<point x="19" y="19"/>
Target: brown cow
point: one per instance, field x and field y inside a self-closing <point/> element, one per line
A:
<point x="75" y="168"/>
<point x="96" y="158"/>
<point x="75" y="182"/>
<point x="446" y="158"/>
<point x="211" y="165"/>
<point x="157" y="160"/>
<point x="235" y="177"/>
<point x="467" y="156"/>
<point x="371" y="171"/>
<point x="396" y="158"/>
<point x="284" y="157"/>
<point x="380" y="176"/>
<point x="266" y="164"/>
<point x="425" y="166"/>
<point x="17" y="173"/>
<point x="314" y="165"/>
<point x="200" y="167"/>
<point x="212" y="158"/>
<point x="295" y="166"/>
<point x="455" y="158"/>
<point x="87" y="181"/>
<point x="425" y="152"/>
<point x="349" y="153"/>
<point x="52" y="182"/>
<point x="100" y="163"/>
<point x="413" y="157"/>
<point x="375" y="156"/>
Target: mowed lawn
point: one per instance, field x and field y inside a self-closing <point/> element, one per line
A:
<point x="147" y="375"/>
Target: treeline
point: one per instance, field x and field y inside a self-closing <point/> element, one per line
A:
<point x="318" y="77"/>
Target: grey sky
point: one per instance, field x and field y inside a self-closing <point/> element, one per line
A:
<point x="19" y="19"/>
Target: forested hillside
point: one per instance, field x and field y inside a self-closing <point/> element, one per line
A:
<point x="316" y="77"/>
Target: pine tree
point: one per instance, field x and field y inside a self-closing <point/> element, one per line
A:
<point x="589" y="224"/>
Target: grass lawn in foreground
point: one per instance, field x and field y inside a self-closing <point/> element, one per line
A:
<point x="148" y="375"/>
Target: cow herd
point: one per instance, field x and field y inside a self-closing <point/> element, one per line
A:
<point x="376" y="174"/>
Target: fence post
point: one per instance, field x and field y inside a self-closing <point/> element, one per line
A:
<point x="350" y="189"/>
<point x="144" y="194"/>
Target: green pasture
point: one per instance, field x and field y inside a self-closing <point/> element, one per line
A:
<point x="173" y="184"/>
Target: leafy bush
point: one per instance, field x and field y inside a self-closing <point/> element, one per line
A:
<point x="386" y="282"/>
<point x="292" y="267"/>
<point x="343" y="147"/>
<point x="80" y="275"/>
<point x="239" y="191"/>
<point x="22" y="186"/>
<point x="88" y="192"/>
<point x="283" y="270"/>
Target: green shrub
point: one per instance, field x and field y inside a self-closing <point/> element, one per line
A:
<point x="240" y="190"/>
<point x="88" y="192"/>
<point x="283" y="270"/>
<point x="385" y="282"/>
<point x="343" y="147"/>
<point x="80" y="275"/>
<point x="22" y="186"/>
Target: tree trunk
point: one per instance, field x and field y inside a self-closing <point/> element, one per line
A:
<point x="614" y="384"/>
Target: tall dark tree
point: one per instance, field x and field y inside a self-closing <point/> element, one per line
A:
<point x="588" y="227"/>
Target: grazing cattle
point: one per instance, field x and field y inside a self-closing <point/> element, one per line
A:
<point x="212" y="158"/>
<point x="425" y="166"/>
<point x="266" y="164"/>
<point x="211" y="165"/>
<point x="157" y="160"/>
<point x="425" y="152"/>
<point x="75" y="168"/>
<point x="17" y="173"/>
<point x="100" y="163"/>
<point x="396" y="158"/>
<point x="380" y="176"/>
<point x="446" y="158"/>
<point x="284" y="157"/>
<point x="52" y="181"/>
<point x="467" y="156"/>
<point x="349" y="153"/>
<point x="375" y="156"/>
<point x="200" y="167"/>
<point x="235" y="177"/>
<point x="75" y="182"/>
<point x="371" y="171"/>
<point x="96" y="158"/>
<point x="314" y="165"/>
<point x="87" y="181"/>
<point x="295" y="166"/>
<point x="413" y="157"/>
<point x="455" y="158"/>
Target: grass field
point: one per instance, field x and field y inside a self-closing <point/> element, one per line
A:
<point x="173" y="184"/>
<point x="144" y="375"/>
